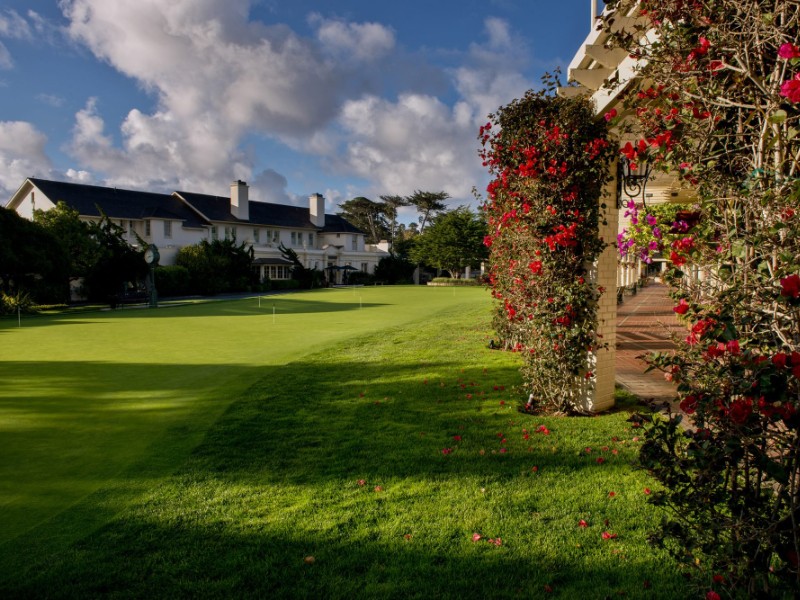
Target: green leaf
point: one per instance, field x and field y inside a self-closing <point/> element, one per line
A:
<point x="779" y="116"/>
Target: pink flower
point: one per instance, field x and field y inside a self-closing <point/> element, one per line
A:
<point x="362" y="482"/>
<point x="613" y="112"/>
<point x="378" y="488"/>
<point x="791" y="89"/>
<point x="476" y="537"/>
<point x="789" y="51"/>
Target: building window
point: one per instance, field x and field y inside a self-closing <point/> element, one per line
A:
<point x="257" y="235"/>
<point x="230" y="233"/>
<point x="131" y="228"/>
<point x="354" y="242"/>
<point x="214" y="233"/>
<point x="167" y="229"/>
<point x="279" y="272"/>
<point x="297" y="238"/>
<point x="147" y="229"/>
<point x="364" y="267"/>
<point x="310" y="240"/>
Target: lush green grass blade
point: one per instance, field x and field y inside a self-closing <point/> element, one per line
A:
<point x="339" y="455"/>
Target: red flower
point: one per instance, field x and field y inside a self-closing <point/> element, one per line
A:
<point x="712" y="595"/>
<point x="535" y="266"/>
<point x="476" y="537"/>
<point x="613" y="112"/>
<point x="689" y="404"/>
<point x="362" y="482"/>
<point x="791" y="89"/>
<point x="733" y="347"/>
<point x="457" y="438"/>
<point x="682" y="307"/>
<point x="790" y="286"/>
<point x="789" y="51"/>
<point x="609" y="536"/>
<point x="582" y="523"/>
<point x="779" y="360"/>
<point x="600" y="460"/>
<point x="677" y="259"/>
<point x="740" y="411"/>
<point x="646" y="491"/>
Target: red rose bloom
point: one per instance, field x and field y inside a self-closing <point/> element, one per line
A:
<point x="740" y="411"/>
<point x="791" y="89"/>
<point x="682" y="307"/>
<point x="789" y="51"/>
<point x="790" y="286"/>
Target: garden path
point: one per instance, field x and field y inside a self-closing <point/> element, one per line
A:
<point x="645" y="322"/>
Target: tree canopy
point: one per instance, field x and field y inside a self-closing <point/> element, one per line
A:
<point x="453" y="241"/>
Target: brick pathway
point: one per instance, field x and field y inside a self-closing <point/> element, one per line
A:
<point x="645" y="322"/>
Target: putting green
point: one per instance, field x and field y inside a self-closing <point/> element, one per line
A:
<point x="114" y="400"/>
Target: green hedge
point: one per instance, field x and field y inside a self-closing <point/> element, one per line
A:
<point x="456" y="282"/>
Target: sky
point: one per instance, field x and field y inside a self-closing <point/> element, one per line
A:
<point x="346" y="97"/>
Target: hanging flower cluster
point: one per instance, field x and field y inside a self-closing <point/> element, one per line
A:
<point x="549" y="160"/>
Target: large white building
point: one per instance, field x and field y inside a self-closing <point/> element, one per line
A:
<point x="171" y="221"/>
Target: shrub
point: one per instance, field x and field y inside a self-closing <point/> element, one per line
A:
<point x="172" y="280"/>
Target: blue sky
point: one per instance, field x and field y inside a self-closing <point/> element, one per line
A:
<point x="347" y="98"/>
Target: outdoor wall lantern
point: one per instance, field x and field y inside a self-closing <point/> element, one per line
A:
<point x="632" y="182"/>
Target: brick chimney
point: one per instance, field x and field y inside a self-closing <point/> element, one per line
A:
<point x="316" y="209"/>
<point x="240" y="203"/>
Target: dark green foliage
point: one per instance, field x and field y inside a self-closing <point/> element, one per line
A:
<point x="306" y="278"/>
<point x="116" y="265"/>
<point x="173" y="280"/>
<point x="218" y="266"/>
<point x="394" y="269"/>
<point x="31" y="260"/>
<point x="452" y="242"/>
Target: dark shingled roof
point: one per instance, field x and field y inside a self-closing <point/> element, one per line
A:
<point x="129" y="204"/>
<point x="117" y="203"/>
<point x="218" y="208"/>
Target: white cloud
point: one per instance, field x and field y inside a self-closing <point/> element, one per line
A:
<point x="6" y="62"/>
<point x="22" y="154"/>
<point x="13" y="26"/>
<point x="51" y="100"/>
<point x="418" y="142"/>
<point x="362" y="42"/>
<point x="217" y="77"/>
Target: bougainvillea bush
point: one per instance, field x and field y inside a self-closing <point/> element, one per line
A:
<point x="549" y="160"/>
<point x="720" y="110"/>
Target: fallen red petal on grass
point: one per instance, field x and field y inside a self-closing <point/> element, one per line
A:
<point x="582" y="523"/>
<point x="609" y="536"/>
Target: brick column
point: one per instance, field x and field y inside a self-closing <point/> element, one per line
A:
<point x="601" y="397"/>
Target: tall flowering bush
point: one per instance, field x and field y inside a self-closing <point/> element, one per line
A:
<point x="721" y="110"/>
<point x="549" y="160"/>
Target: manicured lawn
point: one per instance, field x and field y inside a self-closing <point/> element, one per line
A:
<point x="206" y="451"/>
